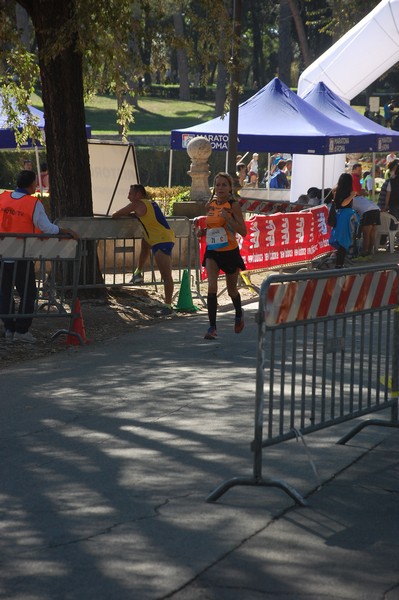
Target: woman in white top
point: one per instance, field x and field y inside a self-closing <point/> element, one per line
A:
<point x="253" y="168"/>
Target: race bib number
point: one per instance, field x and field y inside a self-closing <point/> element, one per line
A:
<point x="216" y="238"/>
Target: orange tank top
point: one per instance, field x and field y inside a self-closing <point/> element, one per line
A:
<point x="215" y="219"/>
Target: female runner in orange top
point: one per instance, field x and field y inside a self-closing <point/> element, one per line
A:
<point x="223" y="221"/>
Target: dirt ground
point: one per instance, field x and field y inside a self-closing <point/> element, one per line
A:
<point x="120" y="311"/>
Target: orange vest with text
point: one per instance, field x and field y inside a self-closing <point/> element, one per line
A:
<point x="16" y="215"/>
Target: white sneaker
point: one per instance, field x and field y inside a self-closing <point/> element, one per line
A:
<point x="165" y="311"/>
<point x="9" y="335"/>
<point x="27" y="337"/>
<point x="137" y="279"/>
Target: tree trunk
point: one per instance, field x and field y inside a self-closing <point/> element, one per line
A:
<point x="258" y="63"/>
<point x="300" y="29"/>
<point x="234" y="91"/>
<point x="285" y="47"/>
<point x="181" y="54"/>
<point x="220" y="95"/>
<point x="62" y="94"/>
<point x="62" y="90"/>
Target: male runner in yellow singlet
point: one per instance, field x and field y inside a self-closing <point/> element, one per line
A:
<point x="158" y="236"/>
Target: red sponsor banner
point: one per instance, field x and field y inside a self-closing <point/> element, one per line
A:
<point x="281" y="239"/>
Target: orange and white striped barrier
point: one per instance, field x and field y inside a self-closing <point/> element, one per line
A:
<point x="316" y="298"/>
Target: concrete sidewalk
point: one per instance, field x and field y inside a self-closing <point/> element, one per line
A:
<point x="109" y="452"/>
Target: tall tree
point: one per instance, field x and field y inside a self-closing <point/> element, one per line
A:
<point x="285" y="42"/>
<point x="61" y="73"/>
<point x="182" y="61"/>
<point x="256" y="23"/>
<point x="73" y="37"/>
<point x="301" y="33"/>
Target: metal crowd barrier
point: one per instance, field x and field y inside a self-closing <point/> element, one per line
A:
<point x="56" y="261"/>
<point x="328" y="352"/>
<point x="118" y="248"/>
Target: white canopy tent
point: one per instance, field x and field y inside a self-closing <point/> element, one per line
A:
<point x="347" y="68"/>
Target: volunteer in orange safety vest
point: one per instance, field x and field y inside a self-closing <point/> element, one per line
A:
<point x="20" y="212"/>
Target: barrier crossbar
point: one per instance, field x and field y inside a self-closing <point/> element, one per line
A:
<point x="53" y="262"/>
<point x="118" y="246"/>
<point x="328" y="352"/>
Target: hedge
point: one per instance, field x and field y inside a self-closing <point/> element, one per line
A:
<point x="153" y="165"/>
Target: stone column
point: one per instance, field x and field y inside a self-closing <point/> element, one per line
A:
<point x="199" y="150"/>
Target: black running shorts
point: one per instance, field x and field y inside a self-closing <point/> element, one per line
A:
<point x="228" y="261"/>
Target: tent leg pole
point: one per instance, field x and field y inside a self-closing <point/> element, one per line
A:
<point x="39" y="179"/>
<point x="170" y="168"/>
<point x="373" y="176"/>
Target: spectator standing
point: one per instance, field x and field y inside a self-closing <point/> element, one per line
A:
<point x="241" y="173"/>
<point x="382" y="195"/>
<point x="369" y="215"/>
<point x="369" y="183"/>
<point x="253" y="169"/>
<point x="279" y="179"/>
<point x="43" y="178"/>
<point x="275" y="159"/>
<point x="383" y="192"/>
<point x="389" y="113"/>
<point x="224" y="220"/>
<point x="342" y="234"/>
<point x="392" y="190"/>
<point x="158" y="237"/>
<point x="288" y="171"/>
<point x="356" y="179"/>
<point x="20" y="212"/>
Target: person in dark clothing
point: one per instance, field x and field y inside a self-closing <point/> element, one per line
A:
<point x="279" y="179"/>
<point x="392" y="190"/>
<point x="342" y="234"/>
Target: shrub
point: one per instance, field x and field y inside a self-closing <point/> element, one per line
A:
<point x="166" y="197"/>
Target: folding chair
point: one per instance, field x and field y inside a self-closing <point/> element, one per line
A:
<point x="389" y="228"/>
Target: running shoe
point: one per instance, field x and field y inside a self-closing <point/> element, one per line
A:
<point x="165" y="311"/>
<point x="239" y="323"/>
<point x="137" y="279"/>
<point x="211" y="334"/>
<point x="26" y="338"/>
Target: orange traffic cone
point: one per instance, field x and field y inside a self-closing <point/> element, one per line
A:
<point x="77" y="336"/>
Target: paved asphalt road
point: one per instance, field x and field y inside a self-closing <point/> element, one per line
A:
<point x="108" y="453"/>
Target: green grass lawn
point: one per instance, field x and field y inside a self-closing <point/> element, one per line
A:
<point x="154" y="115"/>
